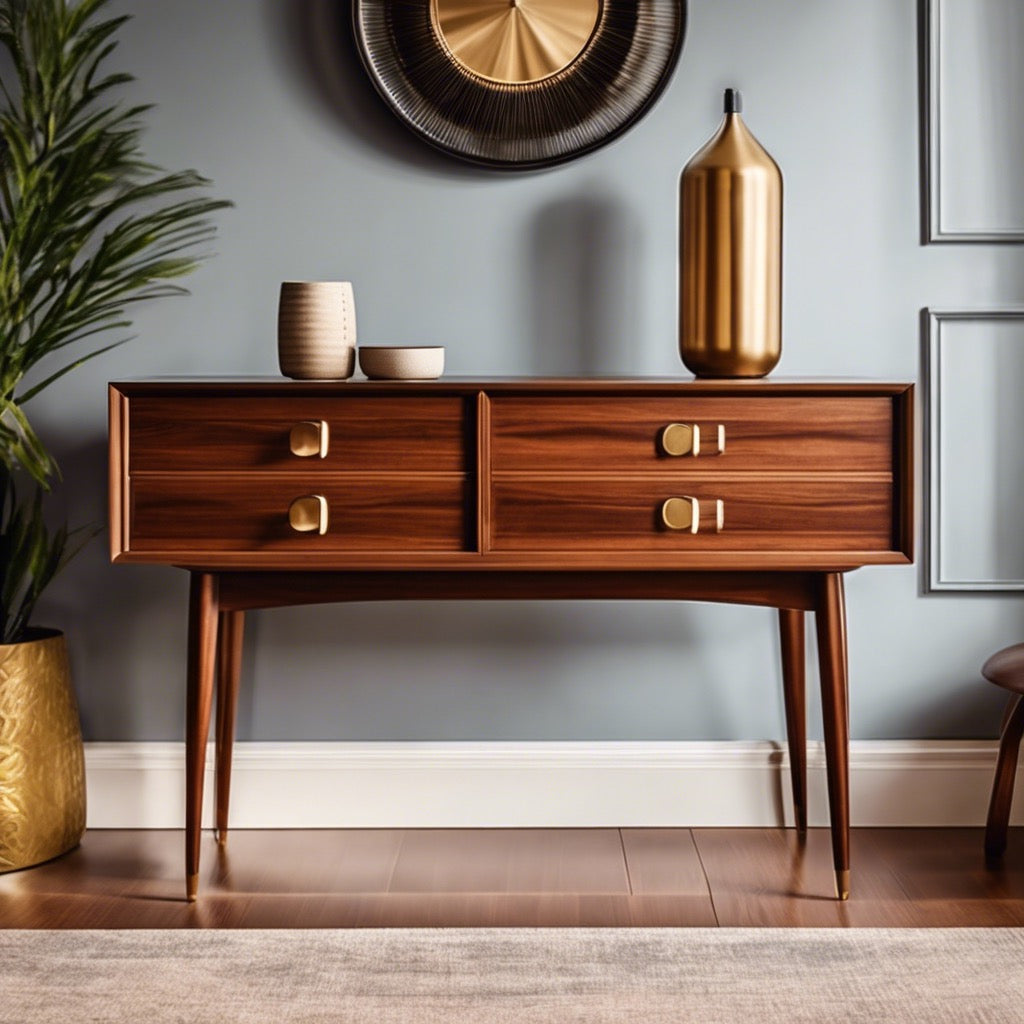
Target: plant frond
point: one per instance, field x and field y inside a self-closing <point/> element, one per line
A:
<point x="88" y="228"/>
<point x="25" y="396"/>
<point x="30" y="555"/>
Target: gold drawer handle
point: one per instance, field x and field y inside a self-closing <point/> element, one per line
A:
<point x="684" y="514"/>
<point x="681" y="439"/>
<point x="681" y="514"/>
<point x="308" y="514"/>
<point x="310" y="437"/>
<point x="684" y="439"/>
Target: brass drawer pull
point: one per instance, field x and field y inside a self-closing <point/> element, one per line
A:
<point x="684" y="514"/>
<point x="310" y="437"/>
<point x="681" y="514"/>
<point x="308" y="514"/>
<point x="685" y="439"/>
<point x="681" y="439"/>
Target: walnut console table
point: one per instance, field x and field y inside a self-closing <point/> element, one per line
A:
<point x="273" y="493"/>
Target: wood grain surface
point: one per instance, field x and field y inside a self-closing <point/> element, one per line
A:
<point x="574" y="512"/>
<point x="336" y="878"/>
<point x="193" y="513"/>
<point x="187" y="432"/>
<point x="761" y="434"/>
<point x="521" y="473"/>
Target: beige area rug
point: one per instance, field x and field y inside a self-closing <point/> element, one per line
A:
<point x="423" y="976"/>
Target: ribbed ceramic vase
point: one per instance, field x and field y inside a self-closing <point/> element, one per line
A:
<point x="730" y="254"/>
<point x="42" y="764"/>
<point x="316" y="330"/>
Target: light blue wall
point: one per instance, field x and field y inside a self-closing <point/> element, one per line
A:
<point x="571" y="270"/>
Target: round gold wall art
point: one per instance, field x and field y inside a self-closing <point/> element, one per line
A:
<point x="519" y="83"/>
<point x="515" y="42"/>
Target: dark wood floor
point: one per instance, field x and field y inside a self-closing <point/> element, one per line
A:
<point x="520" y="877"/>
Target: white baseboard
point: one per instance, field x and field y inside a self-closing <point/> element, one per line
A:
<point x="464" y="785"/>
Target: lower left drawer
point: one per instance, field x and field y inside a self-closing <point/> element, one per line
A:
<point x="250" y="512"/>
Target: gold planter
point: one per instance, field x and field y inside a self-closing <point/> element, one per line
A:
<point x="42" y="765"/>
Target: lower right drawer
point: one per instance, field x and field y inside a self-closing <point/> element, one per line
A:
<point x="834" y="514"/>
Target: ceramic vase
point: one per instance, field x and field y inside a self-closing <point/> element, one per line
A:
<point x="316" y="330"/>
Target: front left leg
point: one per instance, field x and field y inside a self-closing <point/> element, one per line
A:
<point x="202" y="657"/>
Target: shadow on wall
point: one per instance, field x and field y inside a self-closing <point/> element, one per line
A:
<point x="318" y="45"/>
<point x="484" y="671"/>
<point x="125" y="629"/>
<point x="969" y="709"/>
<point x="584" y="254"/>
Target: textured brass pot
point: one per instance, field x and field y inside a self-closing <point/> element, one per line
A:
<point x="730" y="254"/>
<point x="42" y="766"/>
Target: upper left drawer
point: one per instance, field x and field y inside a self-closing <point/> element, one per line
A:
<point x="234" y="433"/>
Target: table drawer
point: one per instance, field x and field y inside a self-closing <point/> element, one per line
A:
<point x="760" y="433"/>
<point x="626" y="515"/>
<point x="196" y="513"/>
<point x="363" y="433"/>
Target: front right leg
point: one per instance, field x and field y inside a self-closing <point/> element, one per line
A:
<point x="229" y="668"/>
<point x="791" y="629"/>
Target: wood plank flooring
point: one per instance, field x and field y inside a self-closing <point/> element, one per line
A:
<point x="521" y="877"/>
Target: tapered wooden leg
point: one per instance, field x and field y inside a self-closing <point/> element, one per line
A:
<point x="1011" y="706"/>
<point x="202" y="655"/>
<point x="791" y="631"/>
<point x="229" y="667"/>
<point x="830" y="618"/>
<point x="1002" y="784"/>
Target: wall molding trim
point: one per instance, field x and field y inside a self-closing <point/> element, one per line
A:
<point x="939" y="42"/>
<point x="939" y="328"/>
<point x="541" y="784"/>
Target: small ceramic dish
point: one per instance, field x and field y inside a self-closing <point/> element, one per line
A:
<point x="402" y="362"/>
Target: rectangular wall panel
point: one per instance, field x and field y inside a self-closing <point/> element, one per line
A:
<point x="974" y="77"/>
<point x="975" y="459"/>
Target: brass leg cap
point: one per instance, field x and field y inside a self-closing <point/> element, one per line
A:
<point x="191" y="887"/>
<point x="843" y="885"/>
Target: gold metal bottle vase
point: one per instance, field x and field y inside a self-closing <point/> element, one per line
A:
<point x="730" y="254"/>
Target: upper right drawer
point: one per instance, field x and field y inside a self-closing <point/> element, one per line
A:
<point x="764" y="434"/>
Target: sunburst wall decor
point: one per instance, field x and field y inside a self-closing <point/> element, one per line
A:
<point x="519" y="83"/>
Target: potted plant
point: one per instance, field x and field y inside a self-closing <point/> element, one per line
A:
<point x="87" y="228"/>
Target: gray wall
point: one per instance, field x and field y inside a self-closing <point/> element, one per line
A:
<point x="571" y="270"/>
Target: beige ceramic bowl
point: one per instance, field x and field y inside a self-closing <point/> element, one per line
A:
<point x="401" y="362"/>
